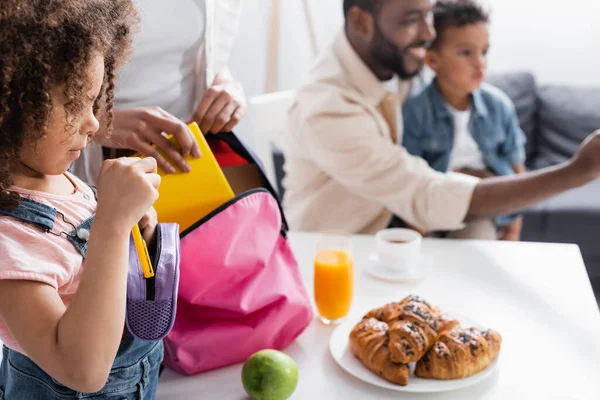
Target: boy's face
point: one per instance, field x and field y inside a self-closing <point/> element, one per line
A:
<point x="460" y="59"/>
<point x="65" y="139"/>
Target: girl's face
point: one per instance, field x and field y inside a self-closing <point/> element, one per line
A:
<point x="64" y="140"/>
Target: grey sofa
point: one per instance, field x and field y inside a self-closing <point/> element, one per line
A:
<point x="556" y="119"/>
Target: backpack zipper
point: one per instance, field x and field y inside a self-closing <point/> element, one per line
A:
<point x="151" y="282"/>
<point x="221" y="208"/>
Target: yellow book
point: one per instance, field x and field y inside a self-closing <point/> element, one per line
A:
<point x="185" y="198"/>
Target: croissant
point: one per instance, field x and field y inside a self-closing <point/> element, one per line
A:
<point x="387" y="313"/>
<point x="414" y="325"/>
<point x="460" y="353"/>
<point x="369" y="343"/>
<point x="413" y="334"/>
<point x="446" y="324"/>
<point x="392" y="311"/>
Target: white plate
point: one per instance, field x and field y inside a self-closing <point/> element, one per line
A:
<point x="340" y="350"/>
<point x="380" y="271"/>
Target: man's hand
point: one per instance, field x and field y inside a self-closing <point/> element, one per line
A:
<point x="510" y="236"/>
<point x="587" y="159"/>
<point x="421" y="232"/>
<point x="478" y="173"/>
<point x="513" y="231"/>
<point x="221" y="108"/>
<point x="505" y="195"/>
<point x="138" y="128"/>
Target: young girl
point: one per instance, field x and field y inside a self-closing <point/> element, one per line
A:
<point x="63" y="274"/>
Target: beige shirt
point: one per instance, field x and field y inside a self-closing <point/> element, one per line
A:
<point x="344" y="168"/>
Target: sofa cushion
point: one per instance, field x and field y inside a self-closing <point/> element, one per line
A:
<point x="567" y="115"/>
<point x="571" y="217"/>
<point x="521" y="88"/>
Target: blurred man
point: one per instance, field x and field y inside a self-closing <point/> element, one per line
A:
<point x="344" y="168"/>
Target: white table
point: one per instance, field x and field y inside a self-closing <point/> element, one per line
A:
<point x="537" y="296"/>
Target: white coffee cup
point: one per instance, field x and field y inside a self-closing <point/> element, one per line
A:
<point x="398" y="249"/>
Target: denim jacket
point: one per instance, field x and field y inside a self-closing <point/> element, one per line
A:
<point x="429" y="130"/>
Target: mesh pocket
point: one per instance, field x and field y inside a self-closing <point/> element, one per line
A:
<point x="149" y="320"/>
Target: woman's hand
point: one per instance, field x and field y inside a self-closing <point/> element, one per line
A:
<point x="138" y="128"/>
<point x="222" y="106"/>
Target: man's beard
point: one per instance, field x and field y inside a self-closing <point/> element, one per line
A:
<point x="387" y="55"/>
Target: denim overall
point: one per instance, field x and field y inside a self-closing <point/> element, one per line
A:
<point x="134" y="375"/>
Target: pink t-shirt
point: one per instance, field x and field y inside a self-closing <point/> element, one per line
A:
<point x="29" y="253"/>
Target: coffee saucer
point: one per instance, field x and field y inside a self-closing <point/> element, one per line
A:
<point x="379" y="270"/>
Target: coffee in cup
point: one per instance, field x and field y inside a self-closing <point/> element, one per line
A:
<point x="398" y="249"/>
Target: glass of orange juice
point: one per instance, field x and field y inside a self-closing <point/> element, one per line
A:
<point x="334" y="277"/>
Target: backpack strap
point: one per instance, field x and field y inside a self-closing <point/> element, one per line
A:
<point x="238" y="147"/>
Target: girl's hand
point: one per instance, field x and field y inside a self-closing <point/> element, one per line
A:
<point x="127" y="188"/>
<point x="148" y="225"/>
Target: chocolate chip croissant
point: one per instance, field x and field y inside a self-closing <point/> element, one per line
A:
<point x="413" y="330"/>
<point x="414" y="325"/>
<point x="460" y="353"/>
<point x="369" y="343"/>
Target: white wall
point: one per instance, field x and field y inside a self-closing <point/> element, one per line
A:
<point x="555" y="39"/>
<point x="248" y="62"/>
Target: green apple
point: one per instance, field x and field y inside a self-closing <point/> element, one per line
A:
<point x="270" y="375"/>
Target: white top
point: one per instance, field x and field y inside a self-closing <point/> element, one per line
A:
<point x="465" y="152"/>
<point x="180" y="48"/>
<point x="545" y="312"/>
<point x="166" y="67"/>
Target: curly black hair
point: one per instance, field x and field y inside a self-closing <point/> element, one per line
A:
<point x="456" y="13"/>
<point x="47" y="43"/>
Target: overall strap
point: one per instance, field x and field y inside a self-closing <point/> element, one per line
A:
<point x="33" y="212"/>
<point x="43" y="216"/>
<point x="36" y="213"/>
<point x="95" y="192"/>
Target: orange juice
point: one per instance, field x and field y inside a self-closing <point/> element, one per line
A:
<point x="334" y="283"/>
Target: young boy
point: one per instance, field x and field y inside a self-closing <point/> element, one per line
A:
<point x="458" y="123"/>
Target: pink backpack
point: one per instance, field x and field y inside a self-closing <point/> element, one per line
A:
<point x="240" y="288"/>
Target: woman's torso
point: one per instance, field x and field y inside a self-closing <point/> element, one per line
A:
<point x="166" y="67"/>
